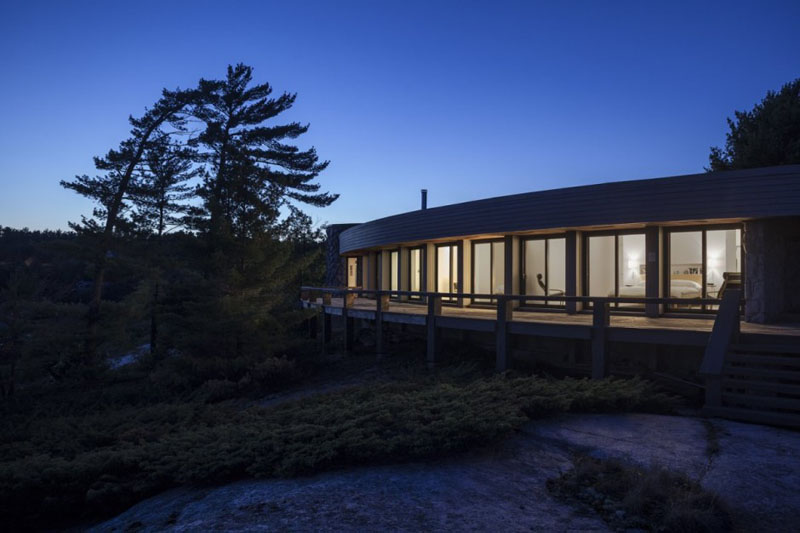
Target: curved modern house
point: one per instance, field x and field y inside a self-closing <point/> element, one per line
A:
<point x="688" y="237"/>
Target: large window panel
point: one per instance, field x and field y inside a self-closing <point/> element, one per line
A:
<point x="631" y="267"/>
<point x="488" y="269"/>
<point x="534" y="267"/>
<point x="394" y="270"/>
<point x="543" y="269"/>
<point x="415" y="271"/>
<point x="601" y="266"/>
<point x="482" y="268"/>
<point x="447" y="270"/>
<point x="498" y="267"/>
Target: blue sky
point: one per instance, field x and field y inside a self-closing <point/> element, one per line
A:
<point x="466" y="99"/>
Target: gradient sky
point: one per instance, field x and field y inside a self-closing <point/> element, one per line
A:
<point x="467" y="99"/>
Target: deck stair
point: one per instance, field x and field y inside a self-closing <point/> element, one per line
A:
<point x="748" y="379"/>
<point x="761" y="383"/>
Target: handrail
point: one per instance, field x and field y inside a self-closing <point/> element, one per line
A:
<point x="726" y="328"/>
<point x="725" y="331"/>
<point x="521" y="297"/>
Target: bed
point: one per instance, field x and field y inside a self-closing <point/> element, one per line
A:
<point x="679" y="288"/>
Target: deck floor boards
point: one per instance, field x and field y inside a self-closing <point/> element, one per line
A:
<point x="700" y="323"/>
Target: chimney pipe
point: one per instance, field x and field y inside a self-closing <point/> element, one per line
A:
<point x="424" y="198"/>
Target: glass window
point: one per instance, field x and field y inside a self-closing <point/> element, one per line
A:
<point x="544" y="268"/>
<point x="394" y="270"/>
<point x="631" y="268"/>
<point x="488" y="268"/>
<point x="415" y="270"/>
<point x="447" y="269"/>
<point x="534" y="269"/>
<point x="601" y="266"/>
<point x="703" y="263"/>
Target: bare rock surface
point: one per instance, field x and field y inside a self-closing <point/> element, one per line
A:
<point x="757" y="471"/>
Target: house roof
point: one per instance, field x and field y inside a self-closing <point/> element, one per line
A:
<point x="731" y="195"/>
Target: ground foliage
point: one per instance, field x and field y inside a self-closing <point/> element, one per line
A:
<point x="67" y="460"/>
<point x="635" y="497"/>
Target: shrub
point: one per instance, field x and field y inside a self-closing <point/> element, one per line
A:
<point x="59" y="467"/>
<point x="630" y="496"/>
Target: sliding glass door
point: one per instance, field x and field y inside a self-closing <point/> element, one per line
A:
<point x="544" y="268"/>
<point x="488" y="268"/>
<point x="352" y="272"/>
<point x="415" y="268"/>
<point x="615" y="266"/>
<point x="447" y="270"/>
<point x="394" y="271"/>
<point x="703" y="263"/>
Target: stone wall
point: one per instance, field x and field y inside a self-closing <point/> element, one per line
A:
<point x="336" y="265"/>
<point x="772" y="268"/>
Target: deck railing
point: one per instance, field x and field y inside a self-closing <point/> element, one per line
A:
<point x="504" y="305"/>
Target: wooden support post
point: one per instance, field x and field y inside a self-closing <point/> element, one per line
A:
<point x="601" y="319"/>
<point x="380" y="301"/>
<point x="434" y="309"/>
<point x="504" y="315"/>
<point x="713" y="391"/>
<point x="349" y="328"/>
<point x="313" y="325"/>
<point x="326" y="298"/>
<point x="326" y="329"/>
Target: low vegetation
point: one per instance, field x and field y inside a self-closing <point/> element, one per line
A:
<point x="61" y="464"/>
<point x="635" y="497"/>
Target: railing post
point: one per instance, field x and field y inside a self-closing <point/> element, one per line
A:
<point x="601" y="319"/>
<point x="725" y="331"/>
<point x="504" y="314"/>
<point x="326" y="298"/>
<point x="434" y="310"/>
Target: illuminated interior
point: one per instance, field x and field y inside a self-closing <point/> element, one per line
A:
<point x="617" y="266"/>
<point x="544" y="268"/>
<point x="693" y="274"/>
<point x="447" y="269"/>
<point x="415" y="270"/>
<point x="488" y="268"/>
<point x="394" y="270"/>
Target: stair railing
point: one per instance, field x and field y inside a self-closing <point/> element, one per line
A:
<point x="723" y="334"/>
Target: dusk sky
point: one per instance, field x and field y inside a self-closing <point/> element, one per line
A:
<point x="466" y="99"/>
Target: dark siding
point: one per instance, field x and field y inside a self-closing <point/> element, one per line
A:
<point x="755" y="193"/>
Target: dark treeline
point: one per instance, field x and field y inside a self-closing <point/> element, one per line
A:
<point x="191" y="257"/>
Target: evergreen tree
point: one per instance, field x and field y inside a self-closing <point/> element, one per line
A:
<point x="159" y="198"/>
<point x="251" y="171"/>
<point x="767" y="135"/>
<point x="111" y="189"/>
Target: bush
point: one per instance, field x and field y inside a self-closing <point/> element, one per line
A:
<point x="59" y="468"/>
<point x="629" y="496"/>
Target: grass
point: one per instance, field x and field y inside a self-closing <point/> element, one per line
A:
<point x="60" y="467"/>
<point x="633" y="497"/>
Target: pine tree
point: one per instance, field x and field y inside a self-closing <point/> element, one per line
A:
<point x="252" y="172"/>
<point x="111" y="189"/>
<point x="253" y="177"/>
<point x="159" y="198"/>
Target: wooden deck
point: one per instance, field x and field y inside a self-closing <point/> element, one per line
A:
<point x="693" y="331"/>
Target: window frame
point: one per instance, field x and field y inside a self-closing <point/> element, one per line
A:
<point x="667" y="263"/>
<point x="422" y="288"/>
<point x="455" y="297"/>
<point x="522" y="273"/>
<point x="586" y="261"/>
<point x="491" y="242"/>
